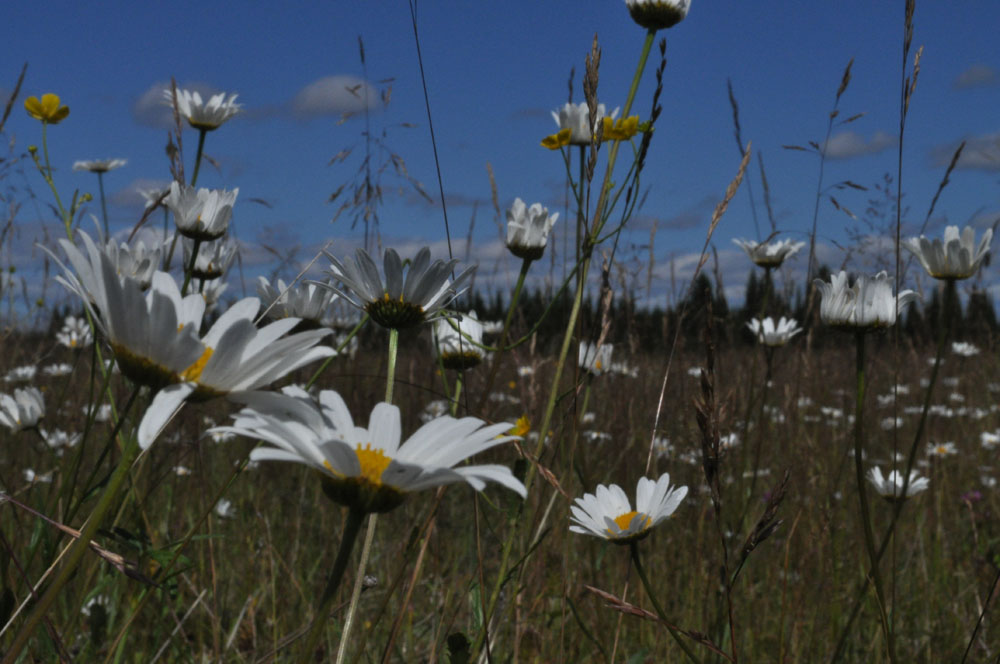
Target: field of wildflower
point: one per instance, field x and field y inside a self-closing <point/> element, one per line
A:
<point x="355" y="465"/>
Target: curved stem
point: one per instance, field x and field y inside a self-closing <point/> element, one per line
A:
<point x="351" y="529"/>
<point x="79" y="547"/>
<point x="197" y="158"/>
<point x="634" y="548"/>
<point x="859" y="468"/>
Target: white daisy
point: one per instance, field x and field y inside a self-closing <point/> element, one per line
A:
<point x="869" y="303"/>
<point x="608" y="514"/>
<point x="774" y="335"/>
<point x="201" y="214"/>
<point x="769" y="254"/>
<point x="528" y="229"/>
<point x="307" y="301"/>
<point x="593" y="359"/>
<point x="576" y="118"/>
<point x="214" y="258"/>
<point x="75" y="333"/>
<point x="99" y="165"/>
<point x="658" y="14"/>
<point x="956" y="257"/>
<point x="400" y="303"/>
<point x="23" y="410"/>
<point x="891" y="487"/>
<point x="23" y="374"/>
<point x="458" y="341"/>
<point x="367" y="468"/>
<point x="206" y="116"/>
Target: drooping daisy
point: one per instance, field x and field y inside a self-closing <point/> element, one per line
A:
<point x="774" y="335"/>
<point x="401" y="302"/>
<point x="607" y="513"/>
<point x="75" y="333"/>
<point x="202" y="115"/>
<point x="23" y="410"/>
<point x="99" y="165"/>
<point x="367" y="468"/>
<point x="309" y="302"/>
<point x="528" y="229"/>
<point x="458" y="341"/>
<point x="956" y="257"/>
<point x="201" y="214"/>
<point x="891" y="487"/>
<point x="869" y="303"/>
<point x="769" y="254"/>
<point x="658" y="14"/>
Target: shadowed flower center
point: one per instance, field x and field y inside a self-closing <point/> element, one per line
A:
<point x="624" y="521"/>
<point x="373" y="463"/>
<point x="193" y="372"/>
<point x="397" y="314"/>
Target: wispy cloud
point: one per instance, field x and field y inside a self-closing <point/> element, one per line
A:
<point x="339" y="95"/>
<point x="981" y="153"/>
<point x="849" y="144"/>
<point x="977" y="76"/>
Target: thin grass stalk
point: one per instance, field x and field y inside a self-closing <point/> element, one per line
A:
<point x="502" y="345"/>
<point x="104" y="205"/>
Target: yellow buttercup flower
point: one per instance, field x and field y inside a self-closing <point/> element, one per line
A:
<point x="47" y="110"/>
<point x="556" y="141"/>
<point x="622" y="129"/>
<point x="521" y="428"/>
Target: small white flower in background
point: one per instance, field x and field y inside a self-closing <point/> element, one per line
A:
<point x="869" y="303"/>
<point x="729" y="441"/>
<point x="606" y="513"/>
<point x="31" y="477"/>
<point x="988" y="481"/>
<point x="891" y="423"/>
<point x="774" y="335"/>
<point x="23" y="374"/>
<point x="624" y="369"/>
<point x="368" y="469"/>
<point x="989" y="439"/>
<point x="23" y="410"/>
<point x="153" y="195"/>
<point x="593" y="359"/>
<point x="525" y="370"/>
<point x="220" y="436"/>
<point x="75" y="333"/>
<point x="891" y="487"/>
<point x="458" y="341"/>
<point x="528" y="229"/>
<point x="956" y="397"/>
<point x="662" y="446"/>
<point x="202" y="115"/>
<point x="54" y="370"/>
<point x="312" y="303"/>
<point x="658" y="14"/>
<point x="434" y="410"/>
<point x="402" y="302"/>
<point x="224" y="509"/>
<point x="201" y="214"/>
<point x="99" y="165"/>
<point x="576" y="118"/>
<point x="102" y="414"/>
<point x="135" y="260"/>
<point x="214" y="258"/>
<point x="596" y="436"/>
<point x="182" y="471"/>
<point x="804" y="402"/>
<point x="212" y="292"/>
<point x="694" y="372"/>
<point x="769" y="254"/>
<point x="941" y="449"/>
<point x="97" y="601"/>
<point x="492" y="327"/>
<point x="964" y="348"/>
<point x="588" y="418"/>
<point x="956" y="257"/>
<point x="59" y="439"/>
<point x="951" y="381"/>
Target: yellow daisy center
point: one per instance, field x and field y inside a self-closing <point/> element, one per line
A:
<point x="193" y="372"/>
<point x="373" y="463"/>
<point x="624" y="521"/>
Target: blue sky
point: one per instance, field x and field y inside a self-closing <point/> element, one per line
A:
<point x="495" y="70"/>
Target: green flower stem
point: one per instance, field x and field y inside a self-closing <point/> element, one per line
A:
<point x="586" y="397"/>
<point x="352" y="527"/>
<point x="104" y="205"/>
<point x="47" y="174"/>
<point x="859" y="468"/>
<point x="457" y="395"/>
<point x="190" y="268"/>
<point x="584" y="265"/>
<point x="634" y="548"/>
<point x="581" y="217"/>
<point x="502" y="346"/>
<point x="390" y="377"/>
<point x="80" y="546"/>
<point x="197" y="157"/>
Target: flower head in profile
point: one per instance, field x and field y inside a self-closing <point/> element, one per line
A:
<point x="956" y="257"/>
<point x="593" y="359"/>
<point x="134" y="260"/>
<point x="869" y="303"/>
<point x="400" y="302"/>
<point x="368" y="469"/>
<point x="769" y="254"/>
<point x="202" y="115"/>
<point x="458" y="341"/>
<point x="99" y="165"/>
<point x="47" y="110"/>
<point x="310" y="303"/>
<point x="607" y="513"/>
<point x="891" y="487"/>
<point x="964" y="349"/>
<point x="75" y="333"/>
<point x="201" y="214"/>
<point x="658" y="14"/>
<point x="23" y="410"/>
<point x="528" y="229"/>
<point x="574" y="124"/>
<point x="214" y="258"/>
<point x="773" y="335"/>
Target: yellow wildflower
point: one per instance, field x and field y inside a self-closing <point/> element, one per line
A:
<point x="47" y="110"/>
<point x="622" y="129"/>
<point x="521" y="427"/>
<point x="556" y="141"/>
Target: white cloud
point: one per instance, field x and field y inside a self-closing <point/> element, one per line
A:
<point x="338" y="95"/>
<point x="977" y="76"/>
<point x="849" y="144"/>
<point x="981" y="153"/>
